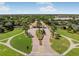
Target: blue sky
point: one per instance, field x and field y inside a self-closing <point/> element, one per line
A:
<point x="39" y="7"/>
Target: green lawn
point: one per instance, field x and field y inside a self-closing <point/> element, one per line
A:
<point x="22" y="43"/>
<point x="66" y="33"/>
<point x="73" y="52"/>
<point x="5" y="51"/>
<point x="4" y="41"/>
<point x="75" y="41"/>
<point x="11" y="33"/>
<point x="60" y="45"/>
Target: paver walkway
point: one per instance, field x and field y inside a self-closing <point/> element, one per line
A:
<point x="9" y="45"/>
<point x="72" y="45"/>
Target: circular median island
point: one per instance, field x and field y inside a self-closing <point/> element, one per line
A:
<point x="60" y="45"/>
<point x="22" y="43"/>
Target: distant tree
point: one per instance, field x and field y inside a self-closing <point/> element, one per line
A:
<point x="9" y="26"/>
<point x="57" y="35"/>
<point x="39" y="24"/>
<point x="1" y="29"/>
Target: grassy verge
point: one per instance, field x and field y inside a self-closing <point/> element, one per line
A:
<point x="73" y="52"/>
<point x="5" y="51"/>
<point x="66" y="33"/>
<point x="4" y="41"/>
<point x="60" y="45"/>
<point x="75" y="41"/>
<point x="11" y="33"/>
<point x="22" y="43"/>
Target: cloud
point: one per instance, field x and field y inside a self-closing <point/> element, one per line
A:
<point x="47" y="8"/>
<point x="3" y="7"/>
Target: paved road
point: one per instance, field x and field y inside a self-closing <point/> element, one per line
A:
<point x="45" y="49"/>
<point x="35" y="42"/>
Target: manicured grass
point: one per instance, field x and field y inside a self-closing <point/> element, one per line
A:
<point x="60" y="45"/>
<point x="66" y="33"/>
<point x="75" y="41"/>
<point x="11" y="33"/>
<point x="22" y="43"/>
<point x="4" y="41"/>
<point x="5" y="51"/>
<point x="73" y="52"/>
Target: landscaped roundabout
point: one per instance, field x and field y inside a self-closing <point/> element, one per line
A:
<point x="38" y="35"/>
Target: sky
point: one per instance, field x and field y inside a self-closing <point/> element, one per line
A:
<point x="39" y="7"/>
